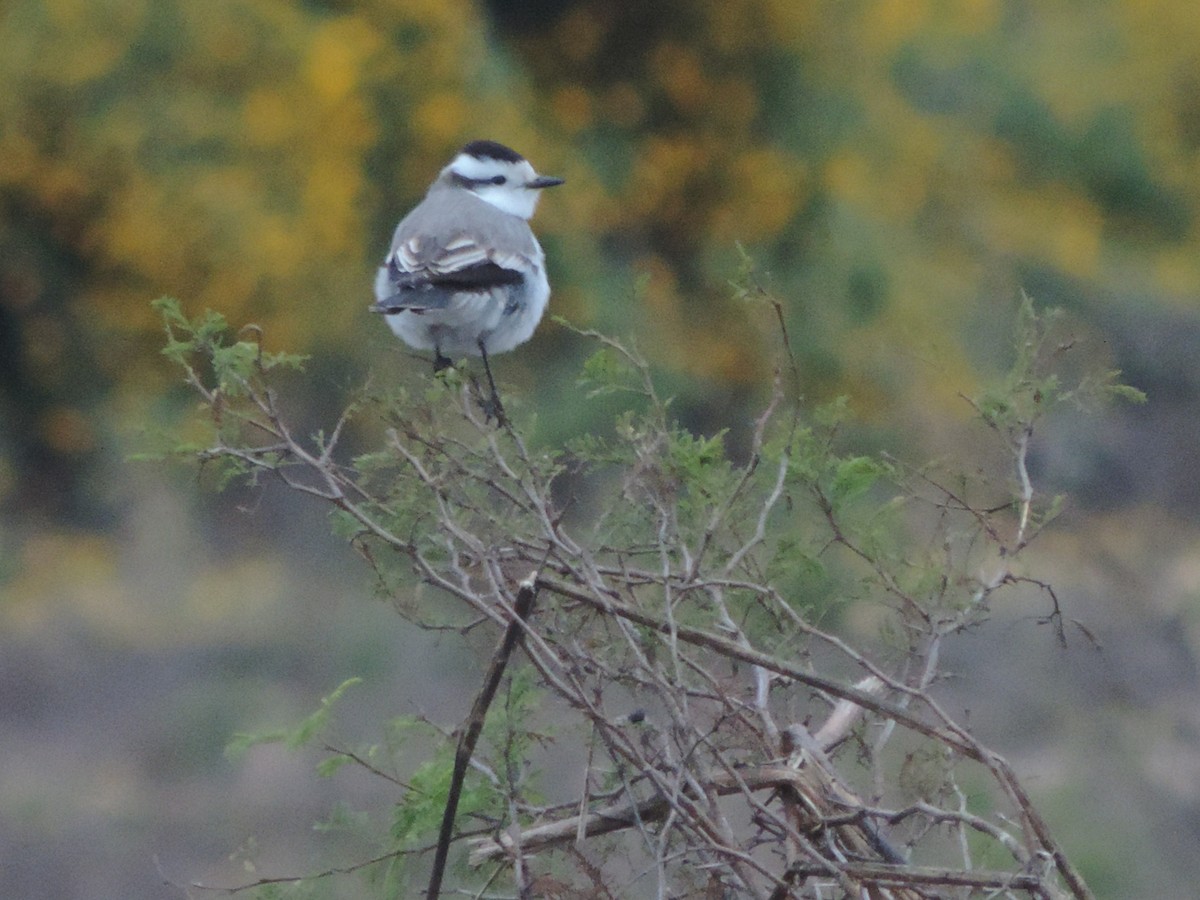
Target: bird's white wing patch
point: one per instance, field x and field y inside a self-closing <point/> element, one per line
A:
<point x="423" y="255"/>
<point x="518" y="262"/>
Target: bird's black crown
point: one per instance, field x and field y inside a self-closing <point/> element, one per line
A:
<point x="491" y="150"/>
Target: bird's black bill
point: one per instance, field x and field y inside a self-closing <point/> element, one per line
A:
<point x="545" y="181"/>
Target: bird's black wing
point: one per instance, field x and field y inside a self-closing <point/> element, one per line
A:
<point x="426" y="290"/>
<point x="426" y="274"/>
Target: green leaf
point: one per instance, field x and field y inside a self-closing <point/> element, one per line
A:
<point x="281" y="360"/>
<point x="832" y="414"/>
<point x="329" y="766"/>
<point x="315" y="723"/>
<point x="691" y="455"/>
<point x="854" y="477"/>
<point x="243" y="741"/>
<point x="607" y="372"/>
<point x="1125" y="392"/>
<point x="420" y="813"/>
<point x="170" y="310"/>
<point x="296" y="737"/>
<point x="234" y="364"/>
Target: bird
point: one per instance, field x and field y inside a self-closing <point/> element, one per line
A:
<point x="465" y="274"/>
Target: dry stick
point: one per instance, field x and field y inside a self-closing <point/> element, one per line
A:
<point x="959" y="742"/>
<point x="1004" y="773"/>
<point x="469" y="737"/>
<point x="733" y="650"/>
<point x="619" y="816"/>
<point x="335" y="494"/>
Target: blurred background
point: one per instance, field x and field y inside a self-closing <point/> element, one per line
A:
<point x="899" y="170"/>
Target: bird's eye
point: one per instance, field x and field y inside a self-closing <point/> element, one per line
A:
<point x="498" y="179"/>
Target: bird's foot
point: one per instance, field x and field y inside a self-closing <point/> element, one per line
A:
<point x="492" y="408"/>
<point x="489" y="403"/>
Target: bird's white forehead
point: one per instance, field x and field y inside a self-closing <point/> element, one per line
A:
<point x="477" y="168"/>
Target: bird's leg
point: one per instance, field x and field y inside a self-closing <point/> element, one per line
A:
<point x="491" y="407"/>
<point x="440" y="363"/>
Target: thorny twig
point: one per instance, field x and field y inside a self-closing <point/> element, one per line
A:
<point x="710" y="743"/>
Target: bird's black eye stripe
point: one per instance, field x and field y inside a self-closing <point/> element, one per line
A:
<point x="470" y="183"/>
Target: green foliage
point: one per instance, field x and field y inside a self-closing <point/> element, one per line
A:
<point x="224" y="369"/>
<point x="769" y="547"/>
<point x="607" y="372"/>
<point x="855" y="476"/>
<point x="234" y="363"/>
<point x="317" y="722"/>
<point x="1032" y="386"/>
<point x="420" y="814"/>
<point x="301" y="734"/>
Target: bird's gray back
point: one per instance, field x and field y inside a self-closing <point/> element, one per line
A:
<point x="440" y="221"/>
